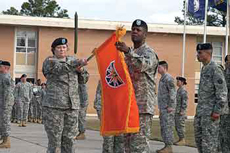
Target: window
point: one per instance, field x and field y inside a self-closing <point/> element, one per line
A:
<point x="26" y="47"/>
<point x="217" y="54"/>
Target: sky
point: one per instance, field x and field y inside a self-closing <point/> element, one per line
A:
<point x="152" y="11"/>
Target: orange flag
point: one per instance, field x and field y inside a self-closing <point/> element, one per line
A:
<point x="119" y="108"/>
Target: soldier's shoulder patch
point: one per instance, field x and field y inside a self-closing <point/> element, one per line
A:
<point x="220" y="81"/>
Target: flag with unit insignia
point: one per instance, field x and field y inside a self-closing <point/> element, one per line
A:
<point x="197" y="8"/>
<point x="119" y="108"/>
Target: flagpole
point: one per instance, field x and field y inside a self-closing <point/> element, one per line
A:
<point x="184" y="37"/>
<point x="205" y="21"/>
<point x="227" y="29"/>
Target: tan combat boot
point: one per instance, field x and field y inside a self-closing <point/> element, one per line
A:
<point x="166" y="149"/>
<point x="23" y="123"/>
<point x="35" y="120"/>
<point x="19" y="123"/>
<point x="80" y="136"/>
<point x="39" y="121"/>
<point x="5" y="143"/>
<point x="14" y="121"/>
<point x="181" y="142"/>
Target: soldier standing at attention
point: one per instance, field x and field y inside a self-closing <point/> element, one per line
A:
<point x="61" y="103"/>
<point x="166" y="104"/>
<point x="83" y="94"/>
<point x="225" y="116"/>
<point x="212" y="96"/>
<point x="181" y="109"/>
<point x="23" y="95"/>
<point x="6" y="103"/>
<point x="111" y="144"/>
<point x="142" y="63"/>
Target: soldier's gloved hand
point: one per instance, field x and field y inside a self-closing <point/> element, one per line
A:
<point x="215" y="116"/>
<point x="169" y="109"/>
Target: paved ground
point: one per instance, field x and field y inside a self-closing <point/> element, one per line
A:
<point x="32" y="139"/>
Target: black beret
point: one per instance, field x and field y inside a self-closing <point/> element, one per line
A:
<point x="1" y="62"/>
<point x="226" y="58"/>
<point x="140" y="23"/>
<point x="204" y="46"/>
<point x="23" y="76"/>
<point x="6" y="63"/>
<point x="163" y="63"/>
<point x="59" y="41"/>
<point x="182" y="79"/>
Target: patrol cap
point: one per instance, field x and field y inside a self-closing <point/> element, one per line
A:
<point x="5" y="63"/>
<point x="23" y="76"/>
<point x="182" y="79"/>
<point x="140" y="23"/>
<point x="204" y="46"/>
<point x="59" y="41"/>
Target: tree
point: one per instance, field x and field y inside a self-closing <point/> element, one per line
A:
<point x="39" y="8"/>
<point x="214" y="18"/>
<point x="11" y="11"/>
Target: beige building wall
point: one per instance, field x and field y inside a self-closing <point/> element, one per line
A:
<point x="168" y="46"/>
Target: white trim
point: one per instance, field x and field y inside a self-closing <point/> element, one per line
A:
<point x="104" y="25"/>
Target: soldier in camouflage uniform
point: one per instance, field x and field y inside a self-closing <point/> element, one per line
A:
<point x="6" y="103"/>
<point x="212" y="96"/>
<point x="142" y="63"/>
<point x="111" y="144"/>
<point x="61" y="103"/>
<point x="166" y="105"/>
<point x="83" y="94"/>
<point x="23" y="95"/>
<point x="225" y="117"/>
<point x="36" y="103"/>
<point x="181" y="109"/>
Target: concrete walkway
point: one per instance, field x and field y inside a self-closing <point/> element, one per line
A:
<point x="32" y="139"/>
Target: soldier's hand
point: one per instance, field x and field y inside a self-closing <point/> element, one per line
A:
<point x="215" y="116"/>
<point x="169" y="109"/>
<point x="182" y="113"/>
<point x="121" y="46"/>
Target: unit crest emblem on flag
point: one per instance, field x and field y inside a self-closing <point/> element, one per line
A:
<point x="196" y="5"/>
<point x="112" y="77"/>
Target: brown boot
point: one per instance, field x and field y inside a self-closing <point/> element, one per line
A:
<point x="80" y="136"/>
<point x="23" y="123"/>
<point x="166" y="149"/>
<point x="19" y="123"/>
<point x="5" y="143"/>
<point x="181" y="142"/>
<point x="35" y="120"/>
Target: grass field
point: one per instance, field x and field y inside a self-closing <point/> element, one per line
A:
<point x="93" y="124"/>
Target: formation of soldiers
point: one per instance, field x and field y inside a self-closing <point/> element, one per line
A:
<point x="61" y="107"/>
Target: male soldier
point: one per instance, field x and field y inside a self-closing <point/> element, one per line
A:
<point x="83" y="95"/>
<point x="6" y="103"/>
<point x="111" y="144"/>
<point x="23" y="95"/>
<point x="166" y="104"/>
<point x="212" y="96"/>
<point x="225" y="116"/>
<point x="61" y="103"/>
<point x="142" y="63"/>
<point x="181" y="107"/>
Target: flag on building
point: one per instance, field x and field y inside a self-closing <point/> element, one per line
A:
<point x="220" y="5"/>
<point x="119" y="109"/>
<point x="197" y="8"/>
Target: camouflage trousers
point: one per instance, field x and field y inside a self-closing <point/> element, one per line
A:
<point x="14" y="112"/>
<point x="206" y="134"/>
<point x="61" y="128"/>
<point x="5" y="116"/>
<point x="36" y="112"/>
<point x="112" y="144"/>
<point x="167" y="123"/>
<point x="82" y="119"/>
<point x="23" y="109"/>
<point x="139" y="142"/>
<point x="180" y="125"/>
<point x="225" y="133"/>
